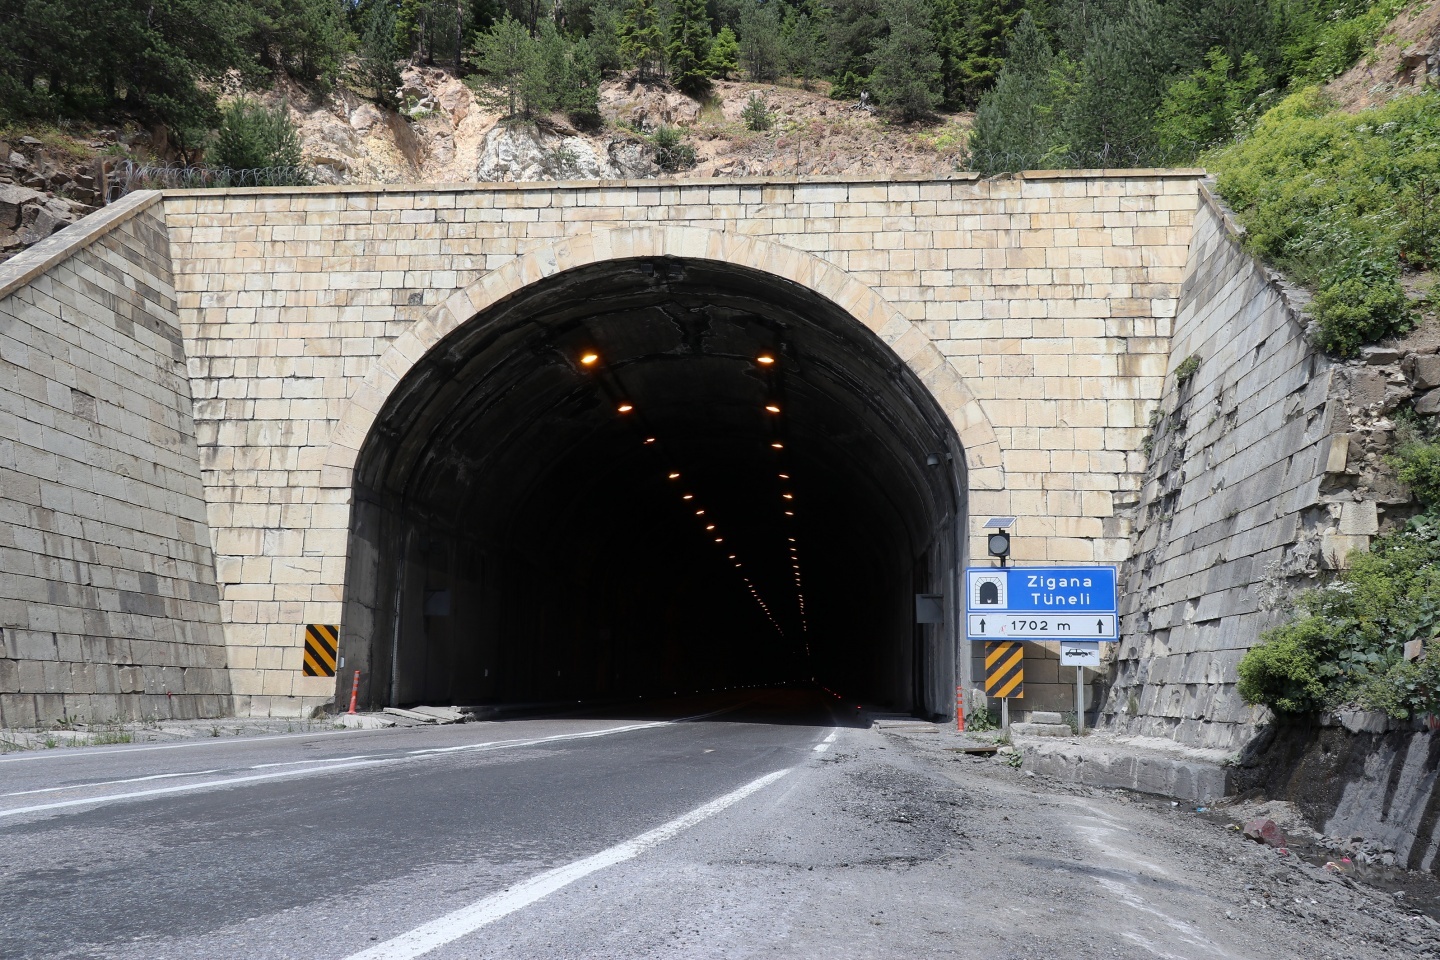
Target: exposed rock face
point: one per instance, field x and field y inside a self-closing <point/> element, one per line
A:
<point x="518" y="153"/>
<point x="39" y="195"/>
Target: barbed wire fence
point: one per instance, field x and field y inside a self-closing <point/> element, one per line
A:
<point x="128" y="176"/>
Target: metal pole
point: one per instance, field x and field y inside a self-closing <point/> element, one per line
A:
<point x="1080" y="699"/>
<point x="1005" y="713"/>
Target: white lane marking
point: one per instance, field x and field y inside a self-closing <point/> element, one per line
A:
<point x="831" y="738"/>
<point x="467" y="920"/>
<point x="182" y="788"/>
<point x="821" y="747"/>
<point x="77" y="753"/>
<point x="296" y="763"/>
<point x="329" y="766"/>
<point x="107" y="783"/>
<point x="824" y="745"/>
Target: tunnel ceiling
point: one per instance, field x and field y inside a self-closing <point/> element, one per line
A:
<point x="503" y="434"/>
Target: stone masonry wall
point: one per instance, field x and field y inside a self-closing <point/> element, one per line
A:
<point x="108" y="604"/>
<point x="1051" y="295"/>
<point x="1231" y="506"/>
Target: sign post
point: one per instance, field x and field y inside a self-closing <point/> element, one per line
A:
<point x="1076" y="606"/>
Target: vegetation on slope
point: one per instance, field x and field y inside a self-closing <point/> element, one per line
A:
<point x="1347" y="646"/>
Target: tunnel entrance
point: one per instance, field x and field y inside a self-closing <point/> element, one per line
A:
<point x="650" y="476"/>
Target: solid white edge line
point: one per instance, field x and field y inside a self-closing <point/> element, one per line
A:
<point x="107" y="783"/>
<point x="466" y="920"/>
<point x="329" y="765"/>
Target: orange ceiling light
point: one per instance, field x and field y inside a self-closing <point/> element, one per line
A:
<point x="778" y="445"/>
<point x="765" y="359"/>
<point x="772" y="407"/>
<point x="590" y="359"/>
<point x="626" y="408"/>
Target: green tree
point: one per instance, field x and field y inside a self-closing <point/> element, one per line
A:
<point x="689" y="49"/>
<point x="906" y="78"/>
<point x="975" y="47"/>
<point x="853" y="31"/>
<point x="604" y="38"/>
<point x="507" y="59"/>
<point x="259" y="140"/>
<point x="642" y="39"/>
<point x="724" y="56"/>
<point x="760" y="51"/>
<point x="756" y="114"/>
<point x="1202" y="108"/>
<point x="803" y="54"/>
<point x="1117" y="85"/>
<point x="378" y="52"/>
<point x="1015" y="124"/>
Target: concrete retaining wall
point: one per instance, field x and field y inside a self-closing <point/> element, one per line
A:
<point x="1228" y="511"/>
<point x="108" y="604"/>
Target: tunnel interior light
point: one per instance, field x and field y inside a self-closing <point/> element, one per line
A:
<point x="688" y="496"/>
<point x="710" y="527"/>
<point x="649" y="439"/>
<point x="626" y="408"/>
<point x="789" y="513"/>
<point x="673" y="475"/>
<point x="773" y="408"/>
<point x="784" y="476"/>
<point x="778" y="445"/>
<point x="765" y="358"/>
<point x="589" y="359"/>
<point x="699" y="513"/>
<point x="788" y="496"/>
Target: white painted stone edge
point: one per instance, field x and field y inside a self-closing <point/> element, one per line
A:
<point x="25" y="266"/>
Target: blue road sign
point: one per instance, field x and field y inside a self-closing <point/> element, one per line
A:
<point x="1041" y="603"/>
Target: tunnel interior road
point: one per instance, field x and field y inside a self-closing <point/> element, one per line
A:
<point x="649" y="476"/>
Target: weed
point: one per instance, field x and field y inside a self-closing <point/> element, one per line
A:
<point x="981" y="720"/>
<point x="1187" y="369"/>
<point x="1014" y="760"/>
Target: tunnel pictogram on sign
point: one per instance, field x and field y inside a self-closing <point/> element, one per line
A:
<point x="321" y="642"/>
<point x="1004" y="669"/>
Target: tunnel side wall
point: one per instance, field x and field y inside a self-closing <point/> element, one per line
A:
<point x="1232" y="505"/>
<point x="1049" y="296"/>
<point x="108" y="603"/>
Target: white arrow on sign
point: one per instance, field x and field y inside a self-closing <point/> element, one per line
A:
<point x="1029" y="626"/>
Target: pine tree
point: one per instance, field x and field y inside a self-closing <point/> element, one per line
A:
<point x="378" y="52"/>
<point x="1015" y="125"/>
<point x="724" y="54"/>
<point x="802" y="47"/>
<point x="642" y="40"/>
<point x="1117" y="86"/>
<point x="689" y="50"/>
<point x="978" y="51"/>
<point x="906" y="79"/>
<point x="760" y="52"/>
<point x="260" y="141"/>
<point x="506" y="58"/>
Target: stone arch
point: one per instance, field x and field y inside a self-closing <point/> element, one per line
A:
<point x="903" y="336"/>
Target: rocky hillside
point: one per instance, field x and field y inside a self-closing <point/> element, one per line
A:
<point x="445" y="135"/>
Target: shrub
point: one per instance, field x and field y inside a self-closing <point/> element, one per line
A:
<point x="756" y="114"/>
<point x="1347" y="645"/>
<point x="671" y="152"/>
<point x="1339" y="201"/>
<point x="253" y="137"/>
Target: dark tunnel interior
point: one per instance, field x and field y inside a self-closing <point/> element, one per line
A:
<point x="654" y="476"/>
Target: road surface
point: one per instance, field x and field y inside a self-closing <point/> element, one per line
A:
<point x="771" y="824"/>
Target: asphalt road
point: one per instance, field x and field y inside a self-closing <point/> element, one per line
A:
<point x="781" y="827"/>
<point x="324" y="845"/>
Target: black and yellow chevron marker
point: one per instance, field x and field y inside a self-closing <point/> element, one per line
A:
<point x="1004" y="669"/>
<point x="321" y="642"/>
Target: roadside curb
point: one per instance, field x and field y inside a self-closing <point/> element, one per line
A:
<point x="1189" y="776"/>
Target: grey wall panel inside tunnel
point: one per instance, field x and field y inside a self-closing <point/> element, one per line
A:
<point x="501" y="472"/>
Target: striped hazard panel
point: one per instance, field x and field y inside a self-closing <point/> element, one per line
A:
<point x="1004" y="669"/>
<point x="321" y="641"/>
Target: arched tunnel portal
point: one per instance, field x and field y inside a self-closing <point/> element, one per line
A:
<point x="649" y="475"/>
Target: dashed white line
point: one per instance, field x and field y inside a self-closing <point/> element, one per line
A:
<point x="466" y="920"/>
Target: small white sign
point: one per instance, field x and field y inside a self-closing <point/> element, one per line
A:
<point x="1079" y="654"/>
